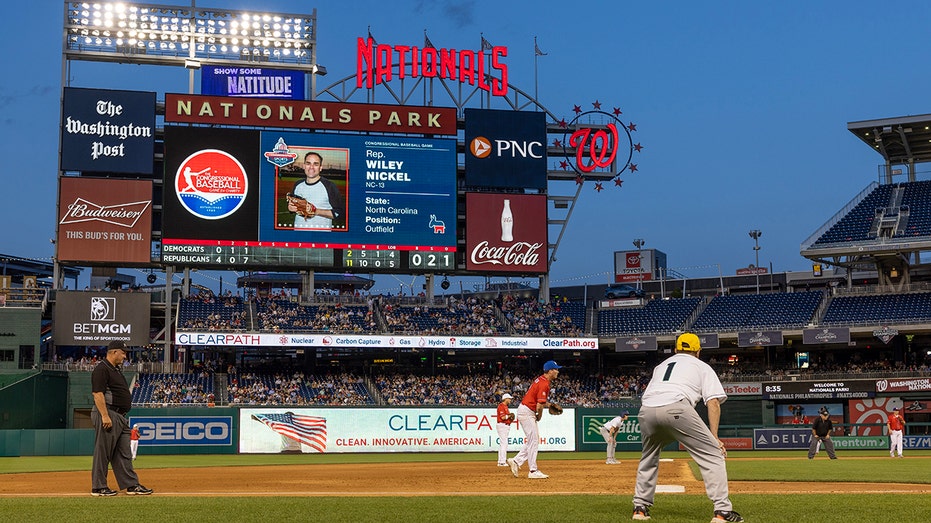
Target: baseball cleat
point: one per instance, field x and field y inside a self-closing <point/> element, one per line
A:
<point x="536" y="474"/>
<point x="641" y="513"/>
<point x="514" y="466"/>
<point x="721" y="516"/>
<point x="139" y="490"/>
<point x="103" y="492"/>
<point x="611" y="462"/>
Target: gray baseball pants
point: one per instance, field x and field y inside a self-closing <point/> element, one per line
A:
<point x="112" y="448"/>
<point x="660" y="426"/>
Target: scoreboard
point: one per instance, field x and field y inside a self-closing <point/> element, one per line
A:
<point x="258" y="256"/>
<point x="389" y="202"/>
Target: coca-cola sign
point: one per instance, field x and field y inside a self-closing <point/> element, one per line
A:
<point x="506" y="233"/>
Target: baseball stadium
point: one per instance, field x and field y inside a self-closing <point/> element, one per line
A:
<point x="301" y="392"/>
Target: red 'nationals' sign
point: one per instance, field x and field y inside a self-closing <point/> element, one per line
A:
<point x="506" y="233"/>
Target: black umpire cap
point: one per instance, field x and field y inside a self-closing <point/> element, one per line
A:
<point x="117" y="344"/>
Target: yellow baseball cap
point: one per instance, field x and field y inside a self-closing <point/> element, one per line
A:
<point x="688" y="342"/>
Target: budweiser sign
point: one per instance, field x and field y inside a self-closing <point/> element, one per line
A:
<point x="104" y="220"/>
<point x="506" y="232"/>
<point x="121" y="214"/>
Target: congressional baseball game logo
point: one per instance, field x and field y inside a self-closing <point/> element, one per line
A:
<point x="120" y="214"/>
<point x="102" y="309"/>
<point x="211" y="184"/>
<point x="280" y="156"/>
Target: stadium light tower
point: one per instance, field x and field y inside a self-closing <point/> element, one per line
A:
<point x="755" y="234"/>
<point x="638" y="243"/>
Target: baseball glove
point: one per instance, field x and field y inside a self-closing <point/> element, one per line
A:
<point x="555" y="409"/>
<point x="511" y="416"/>
<point x="302" y="206"/>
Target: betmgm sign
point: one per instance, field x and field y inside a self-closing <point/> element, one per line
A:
<point x="97" y="318"/>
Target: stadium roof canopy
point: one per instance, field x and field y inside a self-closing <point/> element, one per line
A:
<point x="282" y="280"/>
<point x="19" y="267"/>
<point x="900" y="140"/>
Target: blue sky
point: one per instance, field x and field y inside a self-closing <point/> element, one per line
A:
<point x="742" y="109"/>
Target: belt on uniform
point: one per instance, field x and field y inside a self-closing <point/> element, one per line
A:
<point x="118" y="410"/>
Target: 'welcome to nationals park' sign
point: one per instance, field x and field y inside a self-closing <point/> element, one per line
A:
<point x="339" y="116"/>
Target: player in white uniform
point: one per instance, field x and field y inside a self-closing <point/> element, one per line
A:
<point x="609" y="433"/>
<point x="668" y="414"/>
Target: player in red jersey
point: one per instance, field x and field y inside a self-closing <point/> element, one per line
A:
<point x="528" y="414"/>
<point x="896" y="428"/>
<point x="505" y="418"/>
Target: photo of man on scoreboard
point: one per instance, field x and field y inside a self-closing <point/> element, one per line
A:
<point x="315" y="197"/>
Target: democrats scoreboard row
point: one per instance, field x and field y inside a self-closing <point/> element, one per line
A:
<point x="249" y="198"/>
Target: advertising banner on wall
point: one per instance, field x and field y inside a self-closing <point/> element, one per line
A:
<point x="709" y="341"/>
<point x="105" y="220"/>
<point x="826" y="335"/>
<point x="506" y="233"/>
<point x="252" y="82"/>
<point x="811" y="390"/>
<point x="183" y="430"/>
<point x="635" y="344"/>
<point x="218" y="339"/>
<point x="320" y="430"/>
<point x="97" y="318"/>
<point x="505" y="149"/>
<point x="107" y="131"/>
<point x="869" y="416"/>
<point x="759" y="339"/>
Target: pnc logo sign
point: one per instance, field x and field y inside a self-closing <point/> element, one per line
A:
<point x="480" y="147"/>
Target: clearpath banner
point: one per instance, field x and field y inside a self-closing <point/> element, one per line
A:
<point x="345" y="430"/>
<point x="232" y="339"/>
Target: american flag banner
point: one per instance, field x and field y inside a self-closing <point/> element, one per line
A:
<point x="308" y="430"/>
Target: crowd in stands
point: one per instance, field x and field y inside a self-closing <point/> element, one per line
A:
<point x="223" y="313"/>
<point x="296" y="389"/>
<point x="284" y="316"/>
<point x="530" y="317"/>
<point x="175" y="388"/>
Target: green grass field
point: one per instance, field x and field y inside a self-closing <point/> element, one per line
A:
<point x="840" y="507"/>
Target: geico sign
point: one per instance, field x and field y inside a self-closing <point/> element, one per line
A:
<point x="481" y="148"/>
<point x="185" y="431"/>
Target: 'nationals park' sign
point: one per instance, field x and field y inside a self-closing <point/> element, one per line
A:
<point x="337" y="116"/>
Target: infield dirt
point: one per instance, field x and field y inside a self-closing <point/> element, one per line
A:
<point x="415" y="479"/>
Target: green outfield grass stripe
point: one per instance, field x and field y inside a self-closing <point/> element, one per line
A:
<point x="670" y="508"/>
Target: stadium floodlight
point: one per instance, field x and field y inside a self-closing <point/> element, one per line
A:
<point x="755" y="234"/>
<point x="176" y="35"/>
<point x="638" y="243"/>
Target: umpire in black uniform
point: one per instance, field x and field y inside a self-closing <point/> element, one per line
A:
<point x="112" y="401"/>
<point x="821" y="432"/>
